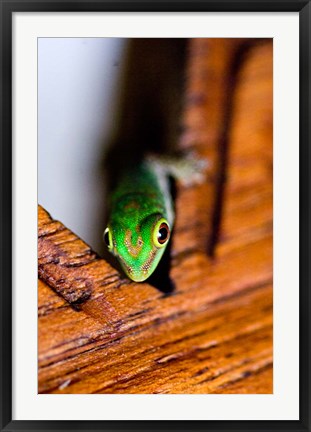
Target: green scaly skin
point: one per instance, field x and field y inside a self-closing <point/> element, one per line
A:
<point x="140" y="205"/>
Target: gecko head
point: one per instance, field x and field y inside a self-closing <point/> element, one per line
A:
<point x="138" y="249"/>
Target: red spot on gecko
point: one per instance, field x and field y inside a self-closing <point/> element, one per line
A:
<point x="133" y="205"/>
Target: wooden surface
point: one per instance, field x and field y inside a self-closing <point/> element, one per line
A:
<point x="101" y="333"/>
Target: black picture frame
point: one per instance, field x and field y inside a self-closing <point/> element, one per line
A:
<point x="7" y="9"/>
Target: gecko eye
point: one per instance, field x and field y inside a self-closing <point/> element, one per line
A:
<point x="161" y="233"/>
<point x="108" y="238"/>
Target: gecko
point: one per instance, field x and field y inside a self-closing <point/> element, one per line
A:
<point x="142" y="212"/>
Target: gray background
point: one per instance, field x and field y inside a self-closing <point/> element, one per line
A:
<point x="78" y="84"/>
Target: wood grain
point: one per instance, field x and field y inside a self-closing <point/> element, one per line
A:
<point x="101" y="333"/>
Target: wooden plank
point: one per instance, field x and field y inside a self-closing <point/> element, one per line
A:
<point x="101" y="333"/>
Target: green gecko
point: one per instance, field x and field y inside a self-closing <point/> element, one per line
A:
<point x="142" y="212"/>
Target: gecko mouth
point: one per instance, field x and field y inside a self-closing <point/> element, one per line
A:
<point x="139" y="278"/>
<point x="144" y="269"/>
<point x="128" y="270"/>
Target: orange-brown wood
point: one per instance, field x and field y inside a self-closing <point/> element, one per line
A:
<point x="101" y="333"/>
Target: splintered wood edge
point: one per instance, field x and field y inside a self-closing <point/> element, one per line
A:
<point x="61" y="258"/>
<point x="76" y="273"/>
